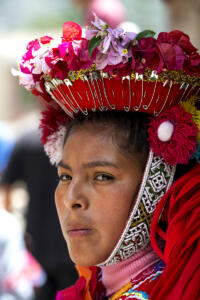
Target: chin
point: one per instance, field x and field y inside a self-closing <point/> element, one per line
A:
<point x="87" y="255"/>
<point x="82" y="260"/>
<point x="86" y="260"/>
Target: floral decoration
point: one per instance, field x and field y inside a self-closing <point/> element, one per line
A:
<point x="182" y="144"/>
<point x="110" y="50"/>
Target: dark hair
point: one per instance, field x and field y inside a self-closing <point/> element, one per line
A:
<point x="127" y="129"/>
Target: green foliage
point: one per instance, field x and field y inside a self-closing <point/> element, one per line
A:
<point x="145" y="34"/>
<point x="93" y="43"/>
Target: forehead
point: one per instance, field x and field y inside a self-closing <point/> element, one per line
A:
<point x="90" y="143"/>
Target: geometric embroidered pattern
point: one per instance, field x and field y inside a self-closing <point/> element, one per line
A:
<point x="158" y="177"/>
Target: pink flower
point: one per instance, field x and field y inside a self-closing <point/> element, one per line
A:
<point x="81" y="59"/>
<point x="114" y="45"/>
<point x="27" y="56"/>
<point x="33" y="45"/>
<point x="75" y="54"/>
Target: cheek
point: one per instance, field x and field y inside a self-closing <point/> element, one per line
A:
<point x="112" y="213"/>
<point x="60" y="203"/>
<point x="119" y="200"/>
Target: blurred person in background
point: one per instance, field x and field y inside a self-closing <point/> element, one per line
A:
<point x="19" y="272"/>
<point x="112" y="12"/>
<point x="14" y="282"/>
<point x="6" y="145"/>
<point x="28" y="163"/>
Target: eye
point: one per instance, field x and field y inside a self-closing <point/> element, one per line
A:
<point x="65" y="177"/>
<point x="104" y="177"/>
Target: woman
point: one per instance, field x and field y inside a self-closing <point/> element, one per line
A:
<point x="122" y="112"/>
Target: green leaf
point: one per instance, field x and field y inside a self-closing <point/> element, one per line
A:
<point x="93" y="43"/>
<point x="145" y="34"/>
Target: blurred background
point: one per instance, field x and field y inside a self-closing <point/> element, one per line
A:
<point x="24" y="20"/>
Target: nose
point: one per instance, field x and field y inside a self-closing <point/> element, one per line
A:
<point x="77" y="195"/>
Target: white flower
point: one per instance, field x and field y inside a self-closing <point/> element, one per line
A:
<point x="40" y="66"/>
<point x="26" y="80"/>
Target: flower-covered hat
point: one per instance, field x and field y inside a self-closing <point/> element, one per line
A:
<point x="108" y="69"/>
<point x="100" y="69"/>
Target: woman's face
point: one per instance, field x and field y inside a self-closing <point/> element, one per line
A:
<point x="96" y="190"/>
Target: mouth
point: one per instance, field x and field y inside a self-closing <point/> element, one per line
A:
<point x="78" y="231"/>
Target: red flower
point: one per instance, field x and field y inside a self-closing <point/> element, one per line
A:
<point x="192" y="64"/>
<point x="119" y="70"/>
<point x="183" y="40"/>
<point x="146" y="54"/>
<point x="59" y="69"/>
<point x="170" y="51"/>
<point x="79" y="58"/>
<point x="71" y="31"/>
<point x="182" y="144"/>
<point x="177" y="51"/>
<point x="46" y="39"/>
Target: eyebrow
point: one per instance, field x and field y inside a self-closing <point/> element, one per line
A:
<point x="92" y="164"/>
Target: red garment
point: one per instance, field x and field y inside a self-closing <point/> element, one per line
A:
<point x="181" y="204"/>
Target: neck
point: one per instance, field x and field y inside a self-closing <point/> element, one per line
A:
<point x="117" y="275"/>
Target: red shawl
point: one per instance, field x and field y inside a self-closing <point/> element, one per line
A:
<point x="181" y="205"/>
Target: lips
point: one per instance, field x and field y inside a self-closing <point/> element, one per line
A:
<point x="78" y="230"/>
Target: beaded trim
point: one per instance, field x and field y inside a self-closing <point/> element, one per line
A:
<point x="158" y="177"/>
<point x="177" y="77"/>
<point x="92" y="79"/>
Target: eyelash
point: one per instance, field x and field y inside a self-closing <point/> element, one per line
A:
<point x="61" y="177"/>
<point x="105" y="177"/>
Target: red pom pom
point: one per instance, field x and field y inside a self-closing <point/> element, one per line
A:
<point x="181" y="146"/>
<point x="71" y="31"/>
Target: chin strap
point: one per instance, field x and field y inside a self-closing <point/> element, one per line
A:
<point x="157" y="179"/>
<point x="181" y="205"/>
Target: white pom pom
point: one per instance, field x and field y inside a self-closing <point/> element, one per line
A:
<point x="165" y="131"/>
